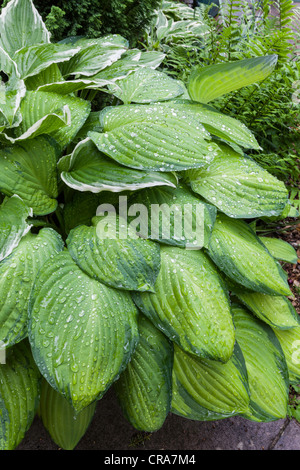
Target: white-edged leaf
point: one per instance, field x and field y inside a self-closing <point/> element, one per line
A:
<point x="21" y="25"/>
<point x="13" y="224"/>
<point x="91" y="170"/>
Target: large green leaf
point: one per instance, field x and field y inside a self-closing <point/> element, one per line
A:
<point x="238" y="186"/>
<point x="276" y="310"/>
<point x="82" y="333"/>
<point x="13" y="92"/>
<point x="280" y="249"/>
<point x="91" y="170"/>
<point x="32" y="60"/>
<point x="146" y="86"/>
<point x="144" y="389"/>
<point x="13" y="224"/>
<point x="111" y="252"/>
<point x="47" y="76"/>
<point x="153" y="137"/>
<point x="21" y="25"/>
<point x="239" y="253"/>
<point x="65" y="426"/>
<point x="190" y="304"/>
<point x="29" y="170"/>
<point x="266" y="367"/>
<point x="37" y="105"/>
<point x="17" y="275"/>
<point x="290" y="344"/>
<point x="207" y="390"/>
<point x="211" y="82"/>
<point x="216" y="123"/>
<point x="175" y="216"/>
<point x="19" y="395"/>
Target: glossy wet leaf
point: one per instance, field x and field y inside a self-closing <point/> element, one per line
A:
<point x="111" y="252"/>
<point x="82" y="333"/>
<point x="238" y="252"/>
<point x="146" y="86"/>
<point x="280" y="249"/>
<point x="19" y="392"/>
<point x="266" y="367"/>
<point x="290" y="343"/>
<point x="153" y="137"/>
<point x="28" y="169"/>
<point x="190" y="304"/>
<point x="17" y="275"/>
<point x="176" y="216"/>
<point x="13" y="224"/>
<point x="64" y="425"/>
<point x="144" y="389"/>
<point x="238" y="186"/>
<point x="91" y="170"/>
<point x="207" y="390"/>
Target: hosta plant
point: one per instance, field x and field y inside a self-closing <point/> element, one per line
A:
<point x="101" y="284"/>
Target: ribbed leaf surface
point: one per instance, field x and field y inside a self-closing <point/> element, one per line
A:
<point x="207" y="390"/>
<point x="238" y="186"/>
<point x="82" y="333"/>
<point x="65" y="426"/>
<point x="13" y="225"/>
<point x="153" y="137"/>
<point x="239" y="253"/>
<point x="266" y="367"/>
<point x="90" y="170"/>
<point x="144" y="389"/>
<point x="129" y="263"/>
<point x="190" y="304"/>
<point x="211" y="82"/>
<point x="290" y="344"/>
<point x="280" y="249"/>
<point x="19" y="395"/>
<point x="29" y="170"/>
<point x="176" y="216"/>
<point x="17" y="275"/>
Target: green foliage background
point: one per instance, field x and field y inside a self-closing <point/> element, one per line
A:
<point x="93" y="18"/>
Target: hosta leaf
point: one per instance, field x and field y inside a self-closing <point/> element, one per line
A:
<point x="37" y="105"/>
<point x="82" y="333"/>
<point x="21" y="25"/>
<point x="280" y="249"/>
<point x="91" y="170"/>
<point x="48" y="124"/>
<point x="92" y="58"/>
<point x="71" y="86"/>
<point x="190" y="304"/>
<point x="153" y="137"/>
<point x="275" y="310"/>
<point x="65" y="426"/>
<point x="17" y="275"/>
<point x="175" y="217"/>
<point x="211" y="82"/>
<point x="290" y="344"/>
<point x="146" y="86"/>
<point x="266" y="367"/>
<point x="19" y="395"/>
<point x="34" y="59"/>
<point x="113" y="254"/>
<point x="29" y="170"/>
<point x="144" y="389"/>
<point x="238" y="186"/>
<point x="51" y="74"/>
<point x="14" y="91"/>
<point x="13" y="224"/>
<point x="239" y="253"/>
<point x="207" y="390"/>
<point x="216" y="123"/>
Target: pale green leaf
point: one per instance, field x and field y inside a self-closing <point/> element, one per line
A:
<point x="290" y="343"/>
<point x="211" y="82"/>
<point x="280" y="249"/>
